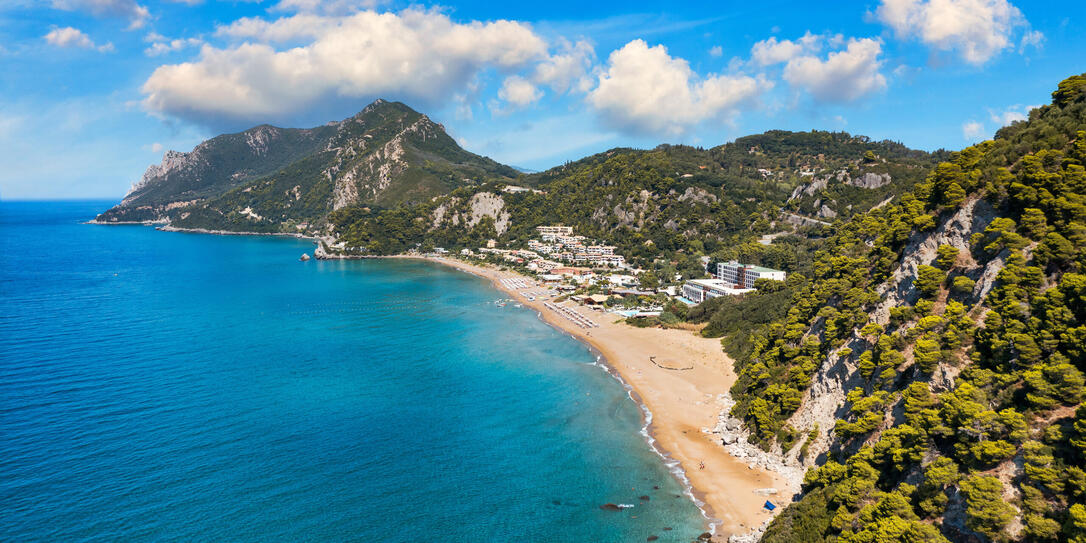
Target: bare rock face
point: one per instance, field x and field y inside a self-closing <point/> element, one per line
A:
<point x="486" y="204"/>
<point x="810" y="189"/>
<point x="699" y="195"/>
<point x="871" y="180"/>
<point x="826" y="213"/>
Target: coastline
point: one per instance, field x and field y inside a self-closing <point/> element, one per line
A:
<point x="680" y="409"/>
<point x="168" y="228"/>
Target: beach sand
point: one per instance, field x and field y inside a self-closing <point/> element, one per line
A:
<point x="684" y="403"/>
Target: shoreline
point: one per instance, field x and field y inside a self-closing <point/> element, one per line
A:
<point x="164" y="226"/>
<point x="726" y="489"/>
<point x="681" y="432"/>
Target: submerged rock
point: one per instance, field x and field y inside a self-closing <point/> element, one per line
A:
<point x="610" y="507"/>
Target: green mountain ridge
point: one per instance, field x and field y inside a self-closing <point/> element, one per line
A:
<point x="670" y="203"/>
<point x="269" y="179"/>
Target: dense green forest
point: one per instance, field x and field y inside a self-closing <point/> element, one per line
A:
<point x="956" y="319"/>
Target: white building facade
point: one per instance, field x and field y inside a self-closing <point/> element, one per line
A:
<point x="744" y="275"/>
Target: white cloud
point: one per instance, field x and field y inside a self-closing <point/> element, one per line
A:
<point x="303" y="26"/>
<point x="136" y="14"/>
<point x="1010" y="115"/>
<point x="568" y="69"/>
<point x="844" y="76"/>
<point x="73" y="37"/>
<point x="519" y="91"/>
<point x="975" y="29"/>
<point x="163" y="45"/>
<point x="414" y="55"/>
<point x="772" y="51"/>
<point x="644" y="89"/>
<point x="972" y="130"/>
<point x="716" y="51"/>
<point x="327" y="7"/>
<point x="1032" y="38"/>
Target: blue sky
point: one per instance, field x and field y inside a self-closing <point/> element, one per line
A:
<point x="94" y="91"/>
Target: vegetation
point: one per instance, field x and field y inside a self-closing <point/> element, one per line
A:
<point x="966" y="404"/>
<point x="663" y="209"/>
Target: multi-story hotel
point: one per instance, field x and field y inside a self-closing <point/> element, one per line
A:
<point x="744" y="275"/>
<point x="699" y="290"/>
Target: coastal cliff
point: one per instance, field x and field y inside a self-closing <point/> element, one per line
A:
<point x="931" y="369"/>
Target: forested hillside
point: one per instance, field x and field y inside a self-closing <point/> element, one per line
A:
<point x="270" y="179"/>
<point x="931" y="364"/>
<point x="672" y="203"/>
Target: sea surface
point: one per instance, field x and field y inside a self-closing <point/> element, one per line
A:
<point x="159" y="386"/>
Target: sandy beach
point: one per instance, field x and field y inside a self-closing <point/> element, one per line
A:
<point x="684" y="403"/>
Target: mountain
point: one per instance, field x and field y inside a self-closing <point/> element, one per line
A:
<point x="929" y="373"/>
<point x="673" y="203"/>
<point x="269" y="179"/>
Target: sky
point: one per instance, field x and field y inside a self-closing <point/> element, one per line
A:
<point x="92" y="92"/>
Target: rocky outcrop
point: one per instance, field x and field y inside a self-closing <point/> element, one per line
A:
<point x="973" y="216"/>
<point x="486" y="204"/>
<point x="871" y="180"/>
<point x="698" y="195"/>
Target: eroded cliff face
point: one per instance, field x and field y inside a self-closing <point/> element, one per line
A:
<point x="455" y="212"/>
<point x="824" y="402"/>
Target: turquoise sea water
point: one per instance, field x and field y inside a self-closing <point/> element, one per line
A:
<point x="167" y="386"/>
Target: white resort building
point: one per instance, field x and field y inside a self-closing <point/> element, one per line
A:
<point x="744" y="275"/>
<point x="699" y="290"/>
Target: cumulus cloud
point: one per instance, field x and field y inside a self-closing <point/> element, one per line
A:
<point x="1010" y="115"/>
<point x="844" y="76"/>
<point x="644" y="89"/>
<point x="136" y="14"/>
<point x="161" y="45"/>
<point x="327" y="7"/>
<point x="772" y="51"/>
<point x="303" y="26"/>
<point x="567" y="69"/>
<point x="519" y="91"/>
<point x="716" y="51"/>
<point x="972" y="130"/>
<point x="73" y="37"/>
<point x="977" y="30"/>
<point x="415" y="55"/>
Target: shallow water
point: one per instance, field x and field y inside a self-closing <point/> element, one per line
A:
<point x="169" y="386"/>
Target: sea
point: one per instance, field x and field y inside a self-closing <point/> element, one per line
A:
<point x="164" y="386"/>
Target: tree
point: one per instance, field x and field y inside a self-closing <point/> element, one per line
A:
<point x="987" y="512"/>
<point x="1033" y="223"/>
<point x="928" y="279"/>
<point x="954" y="195"/>
<point x="1069" y="90"/>
<point x="649" y="281"/>
<point x="962" y="285"/>
<point x="948" y="254"/>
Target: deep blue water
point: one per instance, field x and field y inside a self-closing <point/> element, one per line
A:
<point x="167" y="386"/>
